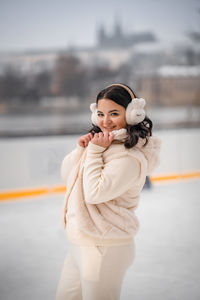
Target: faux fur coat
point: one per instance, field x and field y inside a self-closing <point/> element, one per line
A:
<point x="103" y="189"/>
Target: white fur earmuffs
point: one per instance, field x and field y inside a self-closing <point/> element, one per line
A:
<point x="93" y="108"/>
<point x="134" y="112"/>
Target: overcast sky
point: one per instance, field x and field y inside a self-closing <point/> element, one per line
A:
<point x="38" y="24"/>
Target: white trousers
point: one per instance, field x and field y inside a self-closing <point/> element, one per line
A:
<point x="94" y="272"/>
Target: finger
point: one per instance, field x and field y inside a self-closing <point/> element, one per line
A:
<point x="111" y="137"/>
<point x="87" y="139"/>
<point x="111" y="133"/>
<point x="106" y="134"/>
<point x="96" y="136"/>
<point x="100" y="135"/>
<point x="96" y="139"/>
<point x="90" y="136"/>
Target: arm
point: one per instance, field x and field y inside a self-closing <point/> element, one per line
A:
<point x="69" y="160"/>
<point x="105" y="182"/>
<point x="73" y="157"/>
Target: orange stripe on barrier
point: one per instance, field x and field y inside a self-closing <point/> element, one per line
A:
<point x="175" y="176"/>
<point x="15" y="194"/>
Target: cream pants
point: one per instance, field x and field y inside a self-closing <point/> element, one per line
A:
<point x="94" y="272"/>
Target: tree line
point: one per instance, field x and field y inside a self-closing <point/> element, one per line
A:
<point x="69" y="77"/>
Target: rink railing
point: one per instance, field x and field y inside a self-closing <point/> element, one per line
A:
<point x="20" y="193"/>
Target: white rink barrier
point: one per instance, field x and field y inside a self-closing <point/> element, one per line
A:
<point x="34" y="163"/>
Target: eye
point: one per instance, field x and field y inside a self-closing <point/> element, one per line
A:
<point x="99" y="114"/>
<point x="115" y="114"/>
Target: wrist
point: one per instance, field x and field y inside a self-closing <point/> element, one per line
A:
<point x="96" y="148"/>
<point x="80" y="146"/>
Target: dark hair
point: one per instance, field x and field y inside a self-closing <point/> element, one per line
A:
<point x="122" y="97"/>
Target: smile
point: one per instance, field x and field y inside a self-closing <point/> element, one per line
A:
<point x="109" y="127"/>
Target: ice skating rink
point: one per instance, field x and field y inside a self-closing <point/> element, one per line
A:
<point x="33" y="243"/>
<point x="166" y="266"/>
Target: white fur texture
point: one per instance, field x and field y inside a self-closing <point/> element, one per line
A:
<point x="93" y="108"/>
<point x="135" y="112"/>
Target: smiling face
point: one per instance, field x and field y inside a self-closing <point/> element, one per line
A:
<point x="110" y="115"/>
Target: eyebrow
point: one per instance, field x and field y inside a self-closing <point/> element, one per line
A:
<point x="109" y="111"/>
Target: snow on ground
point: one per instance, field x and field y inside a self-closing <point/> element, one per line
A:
<point x="33" y="246"/>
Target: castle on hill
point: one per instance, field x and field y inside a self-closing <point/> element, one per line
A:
<point x="118" y="39"/>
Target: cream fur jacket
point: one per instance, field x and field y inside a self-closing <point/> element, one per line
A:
<point x="103" y="189"/>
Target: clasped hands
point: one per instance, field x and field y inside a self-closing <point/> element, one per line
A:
<point x="103" y="139"/>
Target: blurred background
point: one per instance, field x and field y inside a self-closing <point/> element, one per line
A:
<point x="55" y="56"/>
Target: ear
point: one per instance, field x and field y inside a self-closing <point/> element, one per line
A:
<point x="93" y="108"/>
<point x="135" y="112"/>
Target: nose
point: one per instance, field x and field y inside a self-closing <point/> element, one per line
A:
<point x="107" y="120"/>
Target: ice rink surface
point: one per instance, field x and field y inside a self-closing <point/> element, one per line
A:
<point x="167" y="264"/>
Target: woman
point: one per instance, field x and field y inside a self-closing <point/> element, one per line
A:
<point x="104" y="176"/>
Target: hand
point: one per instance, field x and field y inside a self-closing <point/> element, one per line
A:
<point x="103" y="139"/>
<point x="84" y="139"/>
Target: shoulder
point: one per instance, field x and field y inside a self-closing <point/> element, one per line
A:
<point x="118" y="151"/>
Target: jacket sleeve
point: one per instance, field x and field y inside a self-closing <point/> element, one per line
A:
<point x="104" y="182"/>
<point x="69" y="160"/>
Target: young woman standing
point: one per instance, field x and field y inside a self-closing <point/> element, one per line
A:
<point x="104" y="176"/>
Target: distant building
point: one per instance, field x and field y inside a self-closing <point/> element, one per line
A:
<point x="171" y="86"/>
<point x="118" y="39"/>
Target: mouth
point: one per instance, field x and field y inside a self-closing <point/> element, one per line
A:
<point x="109" y="127"/>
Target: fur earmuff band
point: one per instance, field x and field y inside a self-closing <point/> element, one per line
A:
<point x="135" y="112"/>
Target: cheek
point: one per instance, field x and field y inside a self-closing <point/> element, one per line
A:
<point x="99" y="120"/>
<point x="122" y="121"/>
